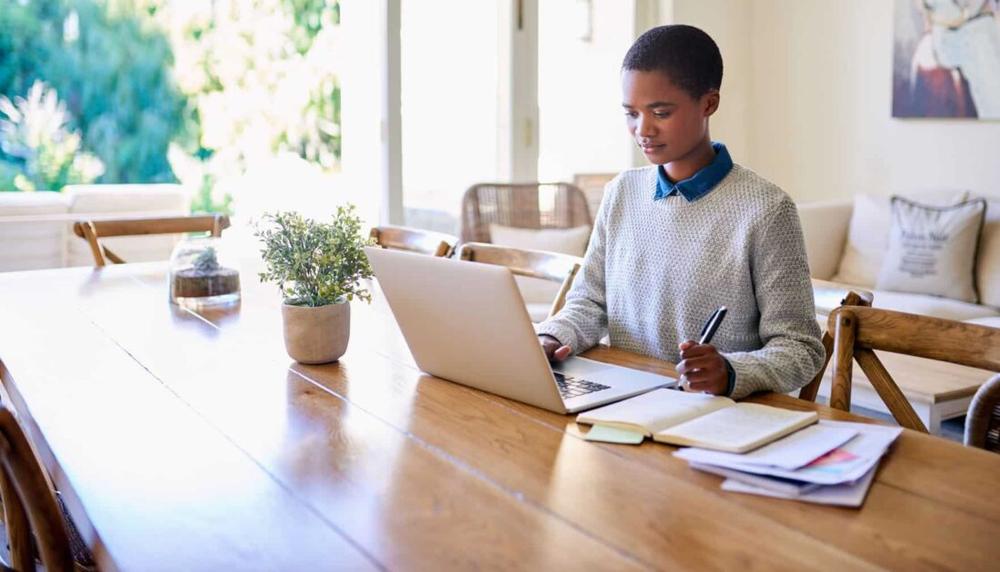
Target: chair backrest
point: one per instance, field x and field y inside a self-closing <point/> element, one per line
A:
<point x="592" y="185"/>
<point x="523" y="205"/>
<point x="93" y="230"/>
<point x="858" y="331"/>
<point x="850" y="298"/>
<point x="982" y="424"/>
<point x="552" y="266"/>
<point x="31" y="513"/>
<point x="414" y="240"/>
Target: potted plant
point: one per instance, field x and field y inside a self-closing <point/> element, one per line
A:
<point x="318" y="267"/>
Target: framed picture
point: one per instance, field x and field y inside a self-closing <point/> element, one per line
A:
<point x="946" y="59"/>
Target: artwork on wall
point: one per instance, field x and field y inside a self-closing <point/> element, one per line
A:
<point x="946" y="59"/>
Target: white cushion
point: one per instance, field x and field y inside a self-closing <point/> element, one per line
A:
<point x="868" y="235"/>
<point x="932" y="250"/>
<point x="27" y="204"/>
<point x="988" y="262"/>
<point x="829" y="295"/>
<point x="824" y="229"/>
<point x="571" y="241"/>
<point x="536" y="291"/>
<point x="128" y="200"/>
<point x="931" y="305"/>
<point x="36" y="244"/>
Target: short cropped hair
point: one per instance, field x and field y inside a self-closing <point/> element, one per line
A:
<point x="687" y="55"/>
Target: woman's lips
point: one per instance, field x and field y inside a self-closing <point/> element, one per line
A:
<point x="650" y="149"/>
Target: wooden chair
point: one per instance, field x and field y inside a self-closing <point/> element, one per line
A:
<point x="93" y="230"/>
<point x="552" y="266"/>
<point x="31" y="512"/>
<point x="853" y="298"/>
<point x="858" y="331"/>
<point x="524" y="205"/>
<point x="592" y="185"/>
<point x="982" y="423"/>
<point x="414" y="240"/>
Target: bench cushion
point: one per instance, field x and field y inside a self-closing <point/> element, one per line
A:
<point x="34" y="244"/>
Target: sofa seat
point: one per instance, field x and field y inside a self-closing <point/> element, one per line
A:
<point x="829" y="294"/>
<point x="36" y="243"/>
<point x="35" y="228"/>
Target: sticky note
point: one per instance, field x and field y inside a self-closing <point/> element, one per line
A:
<point x="607" y="434"/>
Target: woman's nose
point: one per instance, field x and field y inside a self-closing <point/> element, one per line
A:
<point x="644" y="127"/>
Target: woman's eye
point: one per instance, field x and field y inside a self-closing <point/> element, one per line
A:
<point x="631" y="114"/>
<point x="661" y="114"/>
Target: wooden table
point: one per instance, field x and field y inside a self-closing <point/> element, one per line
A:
<point x="188" y="441"/>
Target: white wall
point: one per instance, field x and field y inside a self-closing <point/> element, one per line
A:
<point x="727" y="22"/>
<point x="582" y="125"/>
<point x="814" y="106"/>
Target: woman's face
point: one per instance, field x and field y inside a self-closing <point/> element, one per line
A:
<point x="665" y="121"/>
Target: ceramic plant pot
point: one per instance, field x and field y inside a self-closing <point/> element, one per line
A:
<point x="316" y="335"/>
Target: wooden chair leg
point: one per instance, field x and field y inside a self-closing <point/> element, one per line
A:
<point x="22" y="548"/>
<point x="812" y="388"/>
<point x="843" y="364"/>
<point x="560" y="300"/>
<point x="114" y="258"/>
<point x="90" y="233"/>
<point x="887" y="389"/>
<point x="443" y="250"/>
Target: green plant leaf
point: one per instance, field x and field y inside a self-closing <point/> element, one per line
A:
<point x="315" y="263"/>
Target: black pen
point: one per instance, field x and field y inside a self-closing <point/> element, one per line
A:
<point x="708" y="332"/>
<point x="712" y="325"/>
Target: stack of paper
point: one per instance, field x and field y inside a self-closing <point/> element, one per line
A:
<point x="832" y="462"/>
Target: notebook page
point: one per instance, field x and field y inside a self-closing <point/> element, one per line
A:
<point x="791" y="452"/>
<point x="655" y="410"/>
<point x="737" y="429"/>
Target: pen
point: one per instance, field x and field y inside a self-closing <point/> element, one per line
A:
<point x="707" y="333"/>
<point x="712" y="325"/>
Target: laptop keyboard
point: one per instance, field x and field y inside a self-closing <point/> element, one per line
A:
<point x="570" y="386"/>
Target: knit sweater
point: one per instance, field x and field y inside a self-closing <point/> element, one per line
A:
<point x="655" y="270"/>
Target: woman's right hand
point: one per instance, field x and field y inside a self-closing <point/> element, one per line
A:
<point x="553" y="348"/>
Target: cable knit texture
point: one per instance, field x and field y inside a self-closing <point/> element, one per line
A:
<point x="655" y="271"/>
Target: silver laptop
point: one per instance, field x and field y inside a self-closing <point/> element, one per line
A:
<point x="466" y="322"/>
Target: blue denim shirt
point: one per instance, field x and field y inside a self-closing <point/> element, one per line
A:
<point x="699" y="184"/>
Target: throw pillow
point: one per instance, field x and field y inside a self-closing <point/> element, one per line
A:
<point x="571" y="241"/>
<point x="988" y="265"/>
<point x="932" y="250"/>
<point x="868" y="235"/>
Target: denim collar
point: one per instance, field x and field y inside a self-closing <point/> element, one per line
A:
<point x="699" y="184"/>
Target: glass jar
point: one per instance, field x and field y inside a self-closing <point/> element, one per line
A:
<point x="199" y="276"/>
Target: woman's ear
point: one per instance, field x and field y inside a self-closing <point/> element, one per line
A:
<point x="710" y="102"/>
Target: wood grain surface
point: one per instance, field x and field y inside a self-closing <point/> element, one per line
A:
<point x="191" y="441"/>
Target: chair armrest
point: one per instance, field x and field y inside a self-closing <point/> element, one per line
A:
<point x="824" y="227"/>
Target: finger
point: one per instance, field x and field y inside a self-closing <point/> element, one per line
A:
<point x="562" y="353"/>
<point x="686" y="344"/>
<point x="713" y="387"/>
<point x="702" y="375"/>
<point x="698" y="350"/>
<point x="694" y="364"/>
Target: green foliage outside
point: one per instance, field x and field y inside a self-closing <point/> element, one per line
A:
<point x="168" y="90"/>
<point x="111" y="73"/>
<point x="315" y="263"/>
<point x="42" y="152"/>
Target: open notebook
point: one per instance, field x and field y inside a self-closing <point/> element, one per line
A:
<point x="699" y="420"/>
